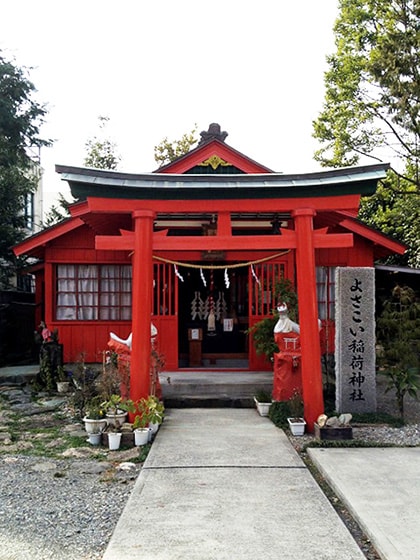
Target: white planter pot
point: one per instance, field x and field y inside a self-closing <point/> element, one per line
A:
<point x="94" y="426"/>
<point x="95" y="438"/>
<point x="118" y="419"/>
<point x="297" y="426"/>
<point x="154" y="427"/>
<point x="262" y="408"/>
<point x="63" y="386"/>
<point x="114" y="440"/>
<point x="141" y="436"/>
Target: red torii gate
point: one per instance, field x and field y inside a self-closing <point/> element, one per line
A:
<point x="143" y="242"/>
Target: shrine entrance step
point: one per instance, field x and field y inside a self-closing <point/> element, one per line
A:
<point x="213" y="389"/>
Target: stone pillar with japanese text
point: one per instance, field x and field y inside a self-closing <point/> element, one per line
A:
<point x="355" y="340"/>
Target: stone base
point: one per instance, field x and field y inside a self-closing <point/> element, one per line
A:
<point x="127" y="439"/>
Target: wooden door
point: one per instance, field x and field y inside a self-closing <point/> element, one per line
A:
<point x="262" y="280"/>
<point x="165" y="313"/>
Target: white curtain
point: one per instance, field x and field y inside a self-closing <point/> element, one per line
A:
<point x="89" y="292"/>
<point x="66" y="292"/>
<point x="87" y="296"/>
<point x="325" y="282"/>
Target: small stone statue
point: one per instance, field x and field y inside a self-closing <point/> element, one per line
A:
<point x="285" y="324"/>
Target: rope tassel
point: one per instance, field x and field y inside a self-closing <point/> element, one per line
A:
<point x="202" y="277"/>
<point x="257" y="280"/>
<point x="177" y="273"/>
<point x="227" y="281"/>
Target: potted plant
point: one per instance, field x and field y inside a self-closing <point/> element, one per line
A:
<point x="63" y="382"/>
<point x="95" y="438"/>
<point x="117" y="408"/>
<point x="141" y="423"/>
<point x="296" y="420"/>
<point x="263" y="402"/>
<point x="114" y="438"/>
<point x="94" y="419"/>
<point x="156" y="413"/>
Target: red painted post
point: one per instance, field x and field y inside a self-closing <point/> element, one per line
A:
<point x="308" y="316"/>
<point x="142" y="294"/>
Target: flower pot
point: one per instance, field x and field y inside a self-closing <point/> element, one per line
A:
<point x="117" y="419"/>
<point x="154" y="427"/>
<point x="297" y="426"/>
<point x="114" y="440"/>
<point x="92" y="426"/>
<point x="263" y="408"/>
<point x="141" y="436"/>
<point x="95" y="438"/>
<point x="63" y="386"/>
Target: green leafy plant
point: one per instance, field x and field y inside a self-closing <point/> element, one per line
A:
<point x="398" y="333"/>
<point x="263" y="396"/>
<point x="156" y="409"/>
<point x="94" y="409"/>
<point x="296" y="404"/>
<point x="403" y="381"/>
<point x="142" y="417"/>
<point x="262" y="331"/>
<point x="279" y="413"/>
<point x="117" y="403"/>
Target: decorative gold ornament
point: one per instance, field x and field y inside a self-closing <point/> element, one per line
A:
<point x="214" y="161"/>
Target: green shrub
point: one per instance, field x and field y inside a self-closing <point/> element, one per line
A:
<point x="279" y="413"/>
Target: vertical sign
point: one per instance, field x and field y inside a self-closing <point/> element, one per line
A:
<point x="355" y="340"/>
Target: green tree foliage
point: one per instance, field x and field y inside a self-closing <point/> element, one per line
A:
<point x="58" y="211"/>
<point x="398" y="335"/>
<point x="395" y="210"/>
<point x="372" y="108"/>
<point x="20" y="120"/>
<point x="101" y="151"/>
<point x="166" y="151"/>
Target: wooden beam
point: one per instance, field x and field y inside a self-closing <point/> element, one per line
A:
<point x="222" y="242"/>
<point x="274" y="205"/>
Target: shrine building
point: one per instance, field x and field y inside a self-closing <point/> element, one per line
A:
<point x="208" y="234"/>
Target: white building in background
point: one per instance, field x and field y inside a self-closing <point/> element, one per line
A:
<point x="34" y="206"/>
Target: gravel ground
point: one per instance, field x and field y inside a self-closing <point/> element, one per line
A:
<point x="59" y="509"/>
<point x="66" y="507"/>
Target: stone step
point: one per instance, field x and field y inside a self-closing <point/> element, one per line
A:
<point x="211" y="389"/>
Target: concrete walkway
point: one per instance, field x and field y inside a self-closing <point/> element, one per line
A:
<point x="226" y="484"/>
<point x="381" y="488"/>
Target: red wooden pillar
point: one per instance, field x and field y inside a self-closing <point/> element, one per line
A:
<point x="308" y="316"/>
<point x="142" y="294"/>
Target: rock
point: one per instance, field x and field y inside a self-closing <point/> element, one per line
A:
<point x="127" y="466"/>
<point x="125" y="455"/>
<point x="44" y="466"/>
<point x="91" y="467"/>
<point x="78" y="433"/>
<point x="5" y="438"/>
<point x="322" y="418"/>
<point x="345" y="419"/>
<point x="55" y="443"/>
<point x="79" y="452"/>
<point x="332" y="422"/>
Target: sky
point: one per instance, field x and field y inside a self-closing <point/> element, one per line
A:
<point x="158" y="68"/>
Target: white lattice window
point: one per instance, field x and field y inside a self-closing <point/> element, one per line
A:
<point x="86" y="292"/>
<point x="325" y="283"/>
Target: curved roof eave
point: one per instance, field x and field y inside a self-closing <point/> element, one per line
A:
<point x="114" y="184"/>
